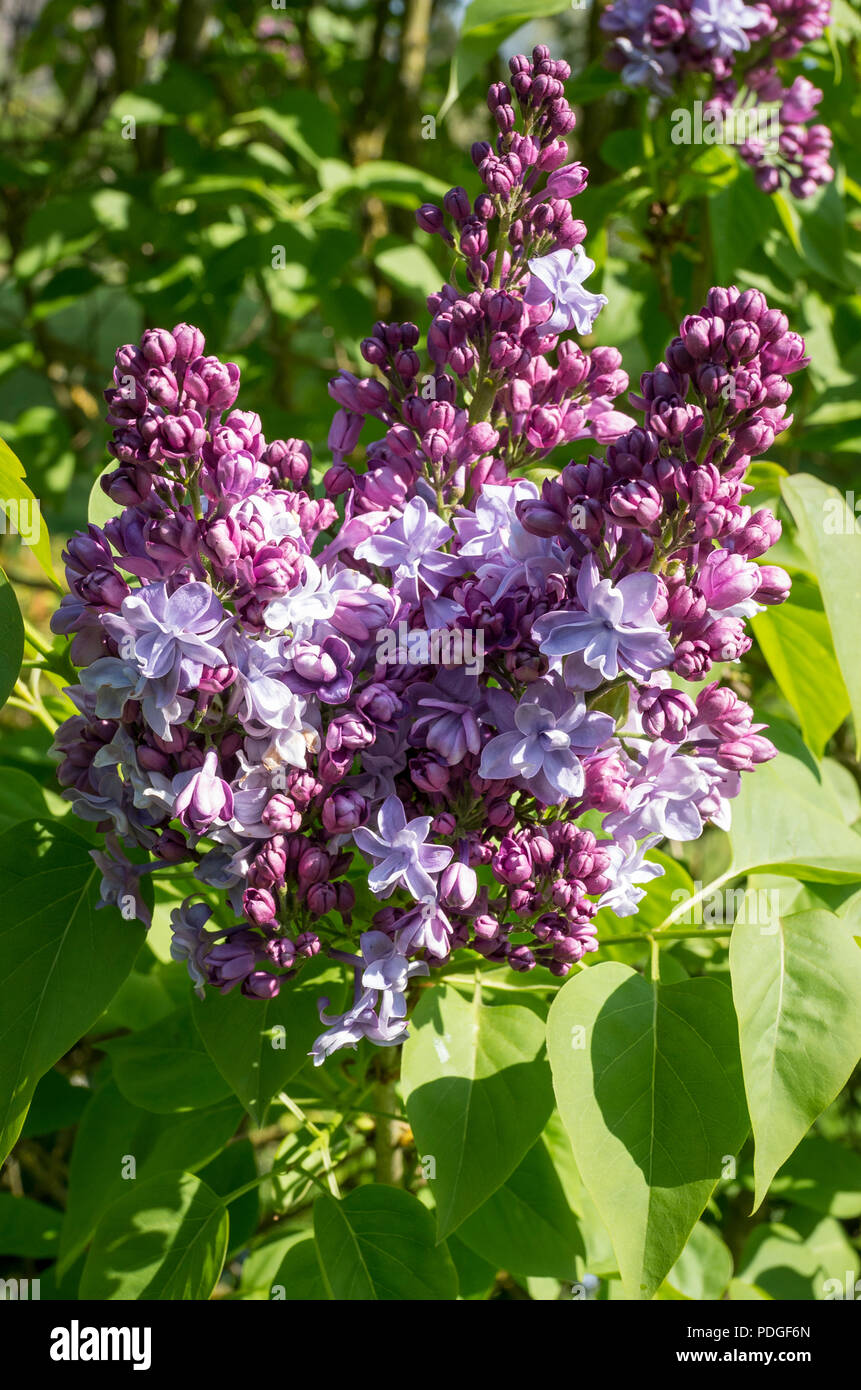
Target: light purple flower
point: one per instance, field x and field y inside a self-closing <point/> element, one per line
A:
<point x="403" y="858"/>
<point x="628" y="869"/>
<point x="719" y="26"/>
<point x="170" y="638"/>
<point x="446" y="710"/>
<point x="410" y="547"/>
<point x="541" y="739"/>
<point x="425" y="927"/>
<point x="509" y="555"/>
<point x="348" y="1029"/>
<point x="645" y="67"/>
<point x="121" y="879"/>
<point x="617" y="631"/>
<point x="263" y="700"/>
<point x="190" y="941"/>
<point x="559" y="277"/>
<point x="380" y="1003"/>
<point x="662" y="798"/>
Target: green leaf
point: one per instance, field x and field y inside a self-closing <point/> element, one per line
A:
<point x="166" y="1239"/>
<point x="299" y="1276"/>
<point x="61" y="959"/>
<point x="827" y="531"/>
<point x="285" y="1268"/>
<point x="794" y="1258"/>
<point x="527" y="1224"/>
<point x="787" y="820"/>
<point x="28" y="1228"/>
<point x="15" y="495"/>
<point x="649" y="1087"/>
<point x="703" y="1270"/>
<point x="11" y="639"/>
<point x="795" y="639"/>
<point x="796" y="983"/>
<point x="823" y="1176"/>
<point x="56" y="1104"/>
<point x="409" y="268"/>
<point x="23" y="798"/>
<point x="302" y="121"/>
<point x="259" y="1045"/>
<point x="486" y="25"/>
<point x="166" y="1068"/>
<point x="475" y="1276"/>
<point x="112" y="1131"/>
<point x="477" y="1092"/>
<point x="379" y="1243"/>
<point x="234" y="1167"/>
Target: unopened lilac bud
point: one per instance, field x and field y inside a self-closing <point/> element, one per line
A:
<point x="457" y="205"/>
<point x="431" y="220"/>
<point x="568" y="181"/>
<point x="259" y="906"/>
<point x="666" y="714"/>
<point x="158" y="347"/>
<point x="458" y="886"/>
<point x="344" y="432"/>
<point x="189" y="342"/>
<point x="212" y="383"/>
<point x="321" y="898"/>
<point x="204" y="798"/>
<point x="281" y="815"/>
<point x="314" y="867"/>
<point x="344" y="811"/>
<point x="774" y="585"/>
<point x="485" y="927"/>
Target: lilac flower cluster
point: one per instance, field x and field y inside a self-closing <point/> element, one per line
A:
<point x="236" y="712"/>
<point x="671" y="48"/>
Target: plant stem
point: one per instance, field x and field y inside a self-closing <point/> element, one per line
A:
<point x="390" y="1158"/>
<point x="684" y="907"/>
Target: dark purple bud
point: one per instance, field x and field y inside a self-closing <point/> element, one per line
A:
<point x="158" y="347"/>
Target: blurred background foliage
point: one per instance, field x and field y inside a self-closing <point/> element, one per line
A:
<point x="267" y="195"/>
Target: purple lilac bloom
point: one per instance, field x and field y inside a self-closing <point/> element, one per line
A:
<point x="662" y="798"/>
<point x="403" y="858"/>
<point x="559" y="277"/>
<point x="541" y="740"/>
<point x="721" y="25"/>
<point x="410" y="547"/>
<point x="235" y="714"/>
<point x="616" y="631"/>
<point x="630" y="871"/>
<point x="170" y="637"/>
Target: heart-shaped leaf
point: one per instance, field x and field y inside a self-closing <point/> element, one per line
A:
<point x="649" y="1086"/>
<point x="478" y="1094"/>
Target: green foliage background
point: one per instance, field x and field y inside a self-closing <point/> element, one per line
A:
<point x="267" y="196"/>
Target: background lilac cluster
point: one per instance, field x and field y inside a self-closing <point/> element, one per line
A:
<point x="235" y="713"/>
<point x="666" y="47"/>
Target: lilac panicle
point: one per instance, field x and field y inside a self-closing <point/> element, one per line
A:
<point x="412" y="683"/>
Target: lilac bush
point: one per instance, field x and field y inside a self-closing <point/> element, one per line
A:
<point x="238" y="712"/>
<point x="731" y="54"/>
